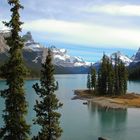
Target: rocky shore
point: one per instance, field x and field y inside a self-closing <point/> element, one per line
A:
<point x="130" y="100"/>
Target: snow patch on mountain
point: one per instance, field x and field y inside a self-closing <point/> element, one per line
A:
<point x="33" y="46"/>
<point x="29" y="43"/>
<point x="125" y="59"/>
<point x="3" y="31"/>
<point x="36" y="59"/>
<point x="61" y="57"/>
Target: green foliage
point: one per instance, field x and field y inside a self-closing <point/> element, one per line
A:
<point x="111" y="80"/>
<point x="88" y="81"/>
<point x="116" y="76"/>
<point x="93" y="78"/>
<point x="46" y="114"/>
<point x="14" y="71"/>
<point x="123" y="74"/>
<point x="102" y="77"/>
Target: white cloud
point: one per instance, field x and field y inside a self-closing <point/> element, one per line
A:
<point x="121" y="10"/>
<point x="85" y="34"/>
<point x="2" y="26"/>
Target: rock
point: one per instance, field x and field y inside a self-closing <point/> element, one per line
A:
<point x="100" y="138"/>
<point x="85" y="103"/>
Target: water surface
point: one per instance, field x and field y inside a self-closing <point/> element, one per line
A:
<point x="85" y="122"/>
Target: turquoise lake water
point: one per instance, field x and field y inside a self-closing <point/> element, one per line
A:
<point x="85" y="122"/>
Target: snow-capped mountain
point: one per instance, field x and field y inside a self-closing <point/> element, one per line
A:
<point x="29" y="43"/>
<point x="137" y="57"/>
<point x="136" y="60"/>
<point x="60" y="57"/>
<point x="34" y="54"/>
<point x="125" y="59"/>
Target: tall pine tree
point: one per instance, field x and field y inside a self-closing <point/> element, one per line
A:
<point x="116" y="78"/>
<point x="110" y="78"/>
<point x="102" y="77"/>
<point x="15" y="127"/>
<point x="93" y="79"/>
<point x="88" y="81"/>
<point x="122" y="71"/>
<point x="46" y="107"/>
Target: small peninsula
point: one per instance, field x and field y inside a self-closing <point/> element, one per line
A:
<point x="129" y="100"/>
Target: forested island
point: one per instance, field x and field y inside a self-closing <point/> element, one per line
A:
<point x="108" y="86"/>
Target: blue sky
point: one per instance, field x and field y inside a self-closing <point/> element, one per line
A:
<point x="86" y="28"/>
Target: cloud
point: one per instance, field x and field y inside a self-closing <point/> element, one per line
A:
<point x="85" y="33"/>
<point x="2" y="26"/>
<point x="112" y="9"/>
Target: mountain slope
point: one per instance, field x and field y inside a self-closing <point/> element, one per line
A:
<point x="125" y="59"/>
<point x="134" y="67"/>
<point x="34" y="54"/>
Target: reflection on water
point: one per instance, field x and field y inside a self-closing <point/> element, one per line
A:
<point x="109" y="120"/>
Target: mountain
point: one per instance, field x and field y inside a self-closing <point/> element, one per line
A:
<point x="61" y="58"/>
<point x="125" y="59"/>
<point x="3" y="46"/>
<point x="136" y="58"/>
<point x="30" y="44"/>
<point x="34" y="54"/>
<point x="134" y="67"/>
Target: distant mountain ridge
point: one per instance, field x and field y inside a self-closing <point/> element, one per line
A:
<point x="125" y="59"/>
<point x="34" y="54"/>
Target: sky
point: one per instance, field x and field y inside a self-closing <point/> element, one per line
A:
<point x="86" y="28"/>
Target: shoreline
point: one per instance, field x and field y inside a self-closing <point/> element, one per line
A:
<point x="129" y="100"/>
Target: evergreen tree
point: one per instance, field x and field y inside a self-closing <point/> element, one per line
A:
<point x="122" y="71"/>
<point x="110" y="78"/>
<point x="116" y="78"/>
<point x="15" y="127"/>
<point x="102" y="77"/>
<point x="125" y="79"/>
<point x="89" y="81"/>
<point x="46" y="114"/>
<point x="121" y="77"/>
<point x="93" y="78"/>
<point x="99" y="83"/>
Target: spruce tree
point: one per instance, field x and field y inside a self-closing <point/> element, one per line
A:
<point x="102" y="77"/>
<point x="110" y="78"/>
<point x="89" y="81"/>
<point x="122" y="71"/>
<point x="116" y="78"/>
<point x="46" y="107"/>
<point x="15" y="126"/>
<point x="125" y="79"/>
<point x="93" y="78"/>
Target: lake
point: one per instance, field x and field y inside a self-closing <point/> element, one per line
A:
<point x="85" y="122"/>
